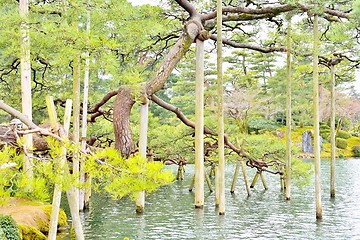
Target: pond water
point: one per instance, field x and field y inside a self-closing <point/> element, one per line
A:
<point x="170" y="214"/>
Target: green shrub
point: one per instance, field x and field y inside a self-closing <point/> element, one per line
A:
<point x="341" y="143"/>
<point x="356" y="150"/>
<point x="8" y="228"/>
<point x="343" y="134"/>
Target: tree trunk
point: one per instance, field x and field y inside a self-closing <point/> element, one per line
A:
<point x="124" y="100"/>
<point x="332" y="133"/>
<point x="199" y="125"/>
<point x="122" y="109"/>
<point x="288" y="113"/>
<point x="26" y="81"/>
<point x="220" y="119"/>
<point x="316" y="119"/>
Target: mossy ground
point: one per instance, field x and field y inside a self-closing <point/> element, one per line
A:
<point x="32" y="217"/>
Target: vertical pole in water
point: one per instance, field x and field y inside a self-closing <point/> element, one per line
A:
<point x="235" y="177"/>
<point x="243" y="167"/>
<point x="288" y="111"/>
<point x="144" y="110"/>
<point x="332" y="132"/>
<point x="316" y="119"/>
<point x="199" y="125"/>
<point x="220" y="110"/>
<point x="263" y="181"/>
<point x="217" y="192"/>
<point x="254" y="180"/>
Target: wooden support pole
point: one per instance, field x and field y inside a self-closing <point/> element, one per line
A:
<point x="247" y="185"/>
<point x="263" y="181"/>
<point x="316" y="48"/>
<point x="254" y="180"/>
<point x="235" y="177"/>
<point x="144" y="118"/>
<point x="220" y="92"/>
<point x="208" y="181"/>
<point x="217" y="192"/>
<point x="25" y="75"/>
<point x="192" y="183"/>
<point x="282" y="179"/>
<point x="288" y="112"/>
<point x="85" y="194"/>
<point x="199" y="125"/>
<point x="332" y="132"/>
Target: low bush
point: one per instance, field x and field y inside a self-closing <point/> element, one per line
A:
<point x="8" y="228"/>
<point x="343" y="134"/>
<point x="341" y="143"/>
<point x="356" y="150"/>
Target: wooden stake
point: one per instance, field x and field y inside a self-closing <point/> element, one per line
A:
<point x="208" y="181"/>
<point x="235" y="177"/>
<point x="332" y="132"/>
<point x="84" y="195"/>
<point x="263" y="180"/>
<point x="25" y="75"/>
<point x="316" y="119"/>
<point x="199" y="125"/>
<point x="144" y="116"/>
<point x="191" y="187"/>
<point x="220" y="124"/>
<point x="217" y="192"/>
<point x="247" y="185"/>
<point x="288" y="112"/>
<point x="254" y="180"/>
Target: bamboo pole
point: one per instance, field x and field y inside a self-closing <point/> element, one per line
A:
<point x="25" y="75"/>
<point x="208" y="181"/>
<point x="332" y="132"/>
<point x="84" y="195"/>
<point x="199" y="125"/>
<point x="76" y="123"/>
<point x="235" y="177"/>
<point x="192" y="183"/>
<point x="144" y="113"/>
<point x="62" y="164"/>
<point x="263" y="181"/>
<point x="282" y="179"/>
<point x="316" y="118"/>
<point x="220" y="91"/>
<point x="243" y="168"/>
<point x="288" y="112"/>
<point x="217" y="192"/>
<point x="254" y="180"/>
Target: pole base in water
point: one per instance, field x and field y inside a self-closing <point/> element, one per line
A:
<point x="199" y="206"/>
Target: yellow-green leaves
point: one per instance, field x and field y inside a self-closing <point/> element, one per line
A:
<point x="126" y="177"/>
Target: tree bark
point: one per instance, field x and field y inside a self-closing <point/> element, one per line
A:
<point x="125" y="100"/>
<point x="122" y="109"/>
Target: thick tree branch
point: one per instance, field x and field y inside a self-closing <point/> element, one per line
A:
<point x="249" y="46"/>
<point x="104" y="100"/>
<point x="187" y="6"/>
<point x="252" y="162"/>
